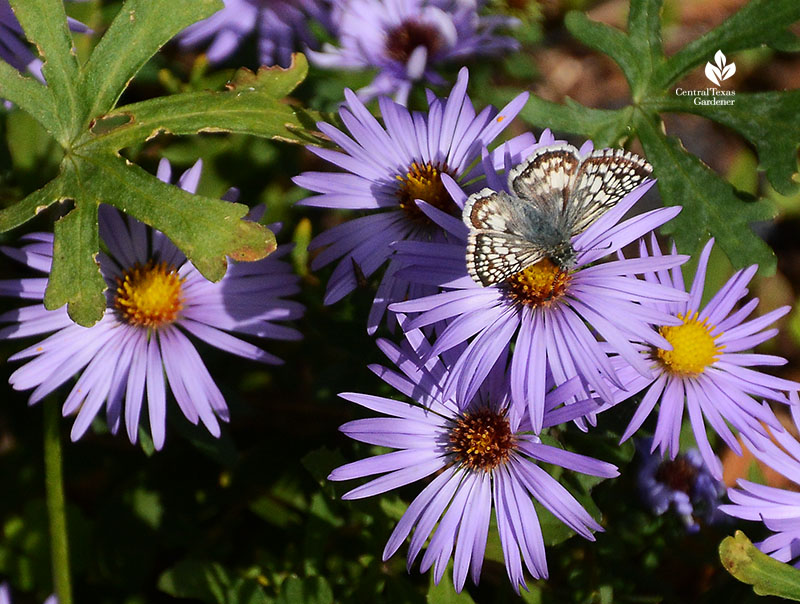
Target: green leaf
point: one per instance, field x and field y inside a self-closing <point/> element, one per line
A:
<point x="644" y="31"/>
<point x="251" y="105"/>
<point x="30" y="95"/>
<point x="207" y="230"/>
<point x="758" y="22"/>
<point x="75" y="277"/>
<point x="603" y="126"/>
<point x="767" y="576"/>
<point x="445" y="592"/>
<point x="769" y="120"/>
<point x="52" y="38"/>
<point x="311" y="590"/>
<point x="22" y="211"/>
<point x="710" y="205"/>
<point x="140" y="28"/>
<point x="211" y="583"/>
<point x="607" y="40"/>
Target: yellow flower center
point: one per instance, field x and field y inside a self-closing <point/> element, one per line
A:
<point x="150" y="295"/>
<point x="539" y="284"/>
<point x="482" y="440"/>
<point x="424" y="182"/>
<point x="693" y="346"/>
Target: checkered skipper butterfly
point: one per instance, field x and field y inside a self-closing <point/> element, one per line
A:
<point x="555" y="194"/>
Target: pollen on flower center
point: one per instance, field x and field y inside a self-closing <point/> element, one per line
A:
<point x="693" y="346"/>
<point x="482" y="440"/>
<point x="424" y="182"/>
<point x="150" y="295"/>
<point x="402" y="40"/>
<point x="539" y="284"/>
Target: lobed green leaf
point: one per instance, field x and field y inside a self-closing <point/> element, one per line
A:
<point x="75" y="276"/>
<point x="54" y="42"/>
<point x="206" y="230"/>
<point x="769" y="120"/>
<point x="768" y="576"/>
<point x="757" y="23"/>
<point x="608" y="40"/>
<point x="22" y="211"/>
<point x="710" y="204"/>
<point x="30" y="95"/>
<point x="605" y="127"/>
<point x="253" y="104"/>
<point x="140" y="28"/>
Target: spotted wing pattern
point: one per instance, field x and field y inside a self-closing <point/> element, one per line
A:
<point x="490" y="210"/>
<point x="546" y="178"/>
<point x="493" y="257"/>
<point x="554" y="195"/>
<point x="603" y="180"/>
<point x="496" y="247"/>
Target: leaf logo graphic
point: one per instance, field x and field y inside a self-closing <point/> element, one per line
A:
<point x="719" y="72"/>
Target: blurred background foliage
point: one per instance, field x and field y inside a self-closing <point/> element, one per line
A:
<point x="249" y="518"/>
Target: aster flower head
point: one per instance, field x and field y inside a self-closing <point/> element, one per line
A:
<point x="778" y="509"/>
<point x="707" y="367"/>
<point x="281" y="27"/>
<point x="386" y="170"/>
<point x="545" y="310"/>
<point x="482" y="458"/>
<point x="155" y="298"/>
<point x="683" y="484"/>
<point x="407" y="39"/>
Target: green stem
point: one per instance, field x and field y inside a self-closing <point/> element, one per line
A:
<point x="56" y="510"/>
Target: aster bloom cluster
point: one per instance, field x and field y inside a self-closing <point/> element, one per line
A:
<point x="406" y="40"/>
<point x="544" y="306"/>
<point x="280" y="26"/>
<point x="155" y="298"/>
<point x="387" y="169"/>
<point x="598" y="330"/>
<point x="683" y="484"/>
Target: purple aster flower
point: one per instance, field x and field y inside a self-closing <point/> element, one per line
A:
<point x="280" y="25"/>
<point x="407" y="39"/>
<point x="14" y="50"/>
<point x="386" y="169"/>
<point x="548" y="309"/>
<point x="706" y="367"/>
<point x="5" y="596"/>
<point x="481" y="457"/>
<point x="155" y="298"/>
<point x="779" y="509"/>
<point x="683" y="484"/>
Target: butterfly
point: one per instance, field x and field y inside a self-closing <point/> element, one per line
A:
<point x="553" y="195"/>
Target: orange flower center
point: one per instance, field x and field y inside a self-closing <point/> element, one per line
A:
<point x="150" y="295"/>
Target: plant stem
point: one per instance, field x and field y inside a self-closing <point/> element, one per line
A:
<point x="56" y="509"/>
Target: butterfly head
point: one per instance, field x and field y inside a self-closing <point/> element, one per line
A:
<point x="563" y="255"/>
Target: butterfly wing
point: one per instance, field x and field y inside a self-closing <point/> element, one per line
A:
<point x="546" y="178"/>
<point x="497" y="245"/>
<point x="489" y="210"/>
<point x="492" y="256"/>
<point x="602" y="181"/>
